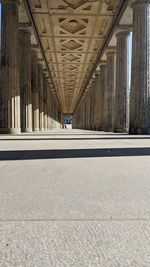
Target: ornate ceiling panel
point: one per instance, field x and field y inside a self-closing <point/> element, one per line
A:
<point x="72" y="33"/>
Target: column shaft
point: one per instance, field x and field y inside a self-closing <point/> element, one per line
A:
<point x="102" y="93"/>
<point x="35" y="91"/>
<point x="48" y="108"/>
<point x="121" y="123"/>
<point x="110" y="91"/>
<point x="140" y="87"/>
<point x="25" y="81"/>
<point x="97" y="100"/>
<point x="45" y="103"/>
<point x="41" y="95"/>
<point x="10" y="88"/>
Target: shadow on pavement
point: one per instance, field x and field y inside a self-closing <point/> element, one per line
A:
<point x="77" y="139"/>
<point x="73" y="153"/>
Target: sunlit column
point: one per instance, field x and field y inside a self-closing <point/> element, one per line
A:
<point x="140" y="83"/>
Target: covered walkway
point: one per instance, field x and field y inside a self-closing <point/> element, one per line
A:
<point x="74" y="198"/>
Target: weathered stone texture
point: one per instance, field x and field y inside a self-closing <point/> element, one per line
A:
<point x="121" y="122"/>
<point x="110" y="90"/>
<point x="25" y="81"/>
<point x="140" y="87"/>
<point x="10" y="88"/>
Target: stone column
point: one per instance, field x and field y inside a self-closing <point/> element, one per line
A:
<point x="110" y="89"/>
<point x="121" y="122"/>
<point x="57" y="121"/>
<point x="84" y="114"/>
<point x="88" y="108"/>
<point x="45" y="103"/>
<point x="140" y="85"/>
<point x="92" y="103"/>
<point x="97" y="99"/>
<point x="52" y="112"/>
<point x="103" y="69"/>
<point x="10" y="88"/>
<point x="35" y="91"/>
<point x="25" y="81"/>
<point x="41" y="95"/>
<point x="48" y="108"/>
<point x="85" y="109"/>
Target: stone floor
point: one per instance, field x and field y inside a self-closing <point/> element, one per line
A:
<point x="74" y="198"/>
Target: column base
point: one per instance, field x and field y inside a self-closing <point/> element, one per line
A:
<point x="116" y="130"/>
<point x="36" y="130"/>
<point x="42" y="130"/>
<point x="100" y="129"/>
<point x="108" y="130"/>
<point x="136" y="130"/>
<point x="10" y="131"/>
<point x="26" y="130"/>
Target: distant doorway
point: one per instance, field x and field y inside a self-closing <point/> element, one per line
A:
<point x="68" y="121"/>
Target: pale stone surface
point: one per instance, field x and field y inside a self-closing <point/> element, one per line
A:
<point x="84" y="209"/>
<point x="101" y="244"/>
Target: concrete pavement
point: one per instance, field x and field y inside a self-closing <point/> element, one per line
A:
<point x="74" y="198"/>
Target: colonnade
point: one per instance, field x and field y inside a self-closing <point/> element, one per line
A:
<point x="108" y="103"/>
<point x="26" y="100"/>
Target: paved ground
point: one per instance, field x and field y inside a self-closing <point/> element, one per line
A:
<point x="74" y="198"/>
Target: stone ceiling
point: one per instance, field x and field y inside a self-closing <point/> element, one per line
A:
<point x="71" y="34"/>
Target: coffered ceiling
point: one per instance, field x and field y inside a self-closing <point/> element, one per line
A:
<point x="72" y="33"/>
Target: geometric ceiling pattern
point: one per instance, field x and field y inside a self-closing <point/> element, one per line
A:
<point x="72" y="33"/>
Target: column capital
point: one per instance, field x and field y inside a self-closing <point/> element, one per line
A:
<point x="139" y="3"/>
<point x="97" y="73"/>
<point x="121" y="30"/>
<point x="90" y="84"/>
<point x="103" y="63"/>
<point x="93" y="78"/>
<point x="122" y="33"/>
<point x="110" y="50"/>
<point x="34" y="52"/>
<point x="25" y="31"/>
